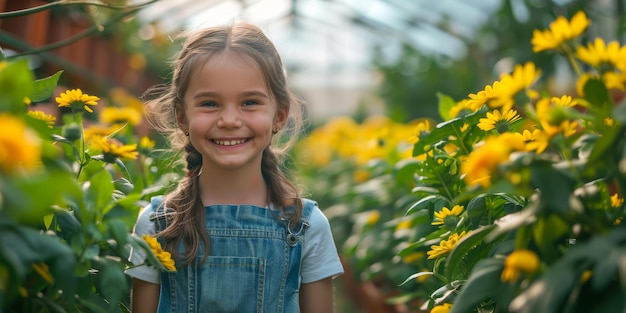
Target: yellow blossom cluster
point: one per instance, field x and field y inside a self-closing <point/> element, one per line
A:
<point x="377" y="137"/>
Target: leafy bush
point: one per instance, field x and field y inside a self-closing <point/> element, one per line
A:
<point x="513" y="203"/>
<point x="70" y="191"/>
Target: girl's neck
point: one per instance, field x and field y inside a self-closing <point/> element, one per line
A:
<point x="233" y="188"/>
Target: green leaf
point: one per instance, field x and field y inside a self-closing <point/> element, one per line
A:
<point x="446" y="103"/>
<point x="16" y="83"/>
<point x="28" y="199"/>
<point x="68" y="223"/>
<point x="554" y="185"/>
<point x="111" y="282"/>
<point x="416" y="275"/>
<point x="547" y="232"/>
<point x="405" y="170"/>
<point x="597" y="94"/>
<point x="124" y="185"/>
<point x="482" y="284"/>
<point x="119" y="232"/>
<point x="469" y="241"/>
<point x="476" y="209"/>
<point x="99" y="193"/>
<point x="44" y="88"/>
<point x="425" y="202"/>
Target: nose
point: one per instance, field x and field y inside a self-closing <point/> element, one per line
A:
<point x="229" y="117"/>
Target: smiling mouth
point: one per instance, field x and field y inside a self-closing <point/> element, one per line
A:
<point x="229" y="142"/>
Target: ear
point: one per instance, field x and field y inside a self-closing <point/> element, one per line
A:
<point x="281" y="117"/>
<point x="181" y="119"/>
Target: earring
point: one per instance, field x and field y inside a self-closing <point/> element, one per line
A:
<point x="186" y="133"/>
<point x="275" y="130"/>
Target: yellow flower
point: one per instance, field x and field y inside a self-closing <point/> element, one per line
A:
<point x="483" y="96"/>
<point x="616" y="201"/>
<point x="49" y="119"/>
<point x="463" y="108"/>
<point x="163" y="256"/>
<point x="553" y="117"/>
<point x="559" y="32"/>
<point x="445" y="246"/>
<point x="146" y="142"/>
<point x="415" y="256"/>
<point x="112" y="149"/>
<point x="27" y="101"/>
<point x="372" y="217"/>
<point x="405" y="224"/>
<point x="76" y="100"/>
<point x="502" y="93"/>
<point x="484" y="160"/>
<point x="361" y="175"/>
<point x="421" y="129"/>
<point x="43" y="271"/>
<point x="97" y="131"/>
<point x="519" y="261"/>
<point x="615" y="80"/>
<point x="535" y="141"/>
<point x="442" y="308"/>
<point x="20" y="148"/>
<point x="115" y="115"/>
<point x="564" y="101"/>
<point x="600" y="55"/>
<point x="585" y="276"/>
<point x="500" y="121"/>
<point x="445" y="212"/>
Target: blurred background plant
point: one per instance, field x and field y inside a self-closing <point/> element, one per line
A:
<point x="512" y="203"/>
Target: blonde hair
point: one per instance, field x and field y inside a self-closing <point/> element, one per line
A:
<point x="187" y="224"/>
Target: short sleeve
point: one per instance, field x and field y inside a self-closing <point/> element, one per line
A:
<point x="319" y="256"/>
<point x="143" y="227"/>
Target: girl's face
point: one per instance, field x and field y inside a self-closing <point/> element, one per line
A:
<point x="229" y="112"/>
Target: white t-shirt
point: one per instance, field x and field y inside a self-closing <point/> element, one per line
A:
<point x="319" y="254"/>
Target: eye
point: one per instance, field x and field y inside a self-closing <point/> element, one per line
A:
<point x="250" y="102"/>
<point x="208" y="104"/>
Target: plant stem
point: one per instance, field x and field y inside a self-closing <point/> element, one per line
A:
<point x="569" y="53"/>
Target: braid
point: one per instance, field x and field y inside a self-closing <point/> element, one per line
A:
<point x="194" y="159"/>
<point x="281" y="190"/>
<point x="186" y="201"/>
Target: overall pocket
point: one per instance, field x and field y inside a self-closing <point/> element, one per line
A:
<point x="231" y="284"/>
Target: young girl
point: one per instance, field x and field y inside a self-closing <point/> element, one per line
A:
<point x="242" y="237"/>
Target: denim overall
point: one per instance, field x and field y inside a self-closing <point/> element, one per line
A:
<point x="253" y="265"/>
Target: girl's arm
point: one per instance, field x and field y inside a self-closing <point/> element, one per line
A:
<point x="144" y="296"/>
<point x="317" y="297"/>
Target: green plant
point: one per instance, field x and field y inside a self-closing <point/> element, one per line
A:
<point x="516" y="198"/>
<point x="68" y="198"/>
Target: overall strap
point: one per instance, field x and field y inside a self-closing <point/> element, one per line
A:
<point x="159" y="214"/>
<point x="298" y="231"/>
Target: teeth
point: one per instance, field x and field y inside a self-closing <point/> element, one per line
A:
<point x="229" y="142"/>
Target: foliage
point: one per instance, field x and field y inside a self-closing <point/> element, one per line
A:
<point x="69" y="192"/>
<point x="513" y="203"/>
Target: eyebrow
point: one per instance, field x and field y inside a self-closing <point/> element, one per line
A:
<point x="250" y="93"/>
